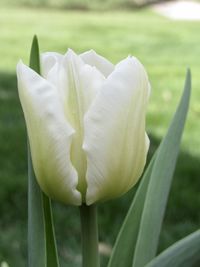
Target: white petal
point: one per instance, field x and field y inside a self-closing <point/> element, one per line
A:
<point x="115" y="140"/>
<point x="101" y="63"/>
<point x="50" y="136"/>
<point x="79" y="84"/>
<point x="48" y="60"/>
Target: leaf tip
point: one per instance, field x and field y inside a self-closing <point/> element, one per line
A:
<point x="188" y="83"/>
<point x="34" y="62"/>
<point x="35" y="39"/>
<point x="188" y="78"/>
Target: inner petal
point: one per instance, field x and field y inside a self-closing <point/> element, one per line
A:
<point x="81" y="83"/>
<point x="101" y="63"/>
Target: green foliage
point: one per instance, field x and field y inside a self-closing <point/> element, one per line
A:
<point x="184" y="253"/>
<point x="36" y="224"/>
<point x="160" y="183"/>
<point x="141" y="228"/>
<point x="40" y="219"/>
<point x="164" y="47"/>
<point x="128" y="234"/>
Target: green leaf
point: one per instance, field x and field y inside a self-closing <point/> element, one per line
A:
<point x="36" y="227"/>
<point x="184" y="253"/>
<point x="123" y="251"/>
<point x="34" y="62"/>
<point x="42" y="250"/>
<point x="159" y="185"/>
<point x="52" y="257"/>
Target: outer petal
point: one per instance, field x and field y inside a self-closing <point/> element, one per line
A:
<point x="101" y="63"/>
<point x="115" y="140"/>
<point x="50" y="136"/>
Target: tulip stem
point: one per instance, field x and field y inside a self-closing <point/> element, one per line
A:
<point x="89" y="229"/>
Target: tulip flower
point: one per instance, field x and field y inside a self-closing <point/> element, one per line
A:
<point x="85" y="119"/>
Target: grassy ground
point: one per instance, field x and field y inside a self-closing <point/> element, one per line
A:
<point x="166" y="48"/>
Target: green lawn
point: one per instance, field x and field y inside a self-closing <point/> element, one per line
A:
<point x="166" y="48"/>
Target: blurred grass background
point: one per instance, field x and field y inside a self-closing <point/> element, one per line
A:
<point x="165" y="47"/>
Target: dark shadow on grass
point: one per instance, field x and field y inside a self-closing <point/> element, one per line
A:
<point x="182" y="215"/>
<point x="91" y="6"/>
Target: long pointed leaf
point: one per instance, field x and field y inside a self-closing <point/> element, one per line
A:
<point x="34" y="62"/>
<point x="160" y="183"/>
<point x="52" y="257"/>
<point x="36" y="228"/>
<point x="41" y="237"/>
<point x="184" y="253"/>
<point x="123" y="251"/>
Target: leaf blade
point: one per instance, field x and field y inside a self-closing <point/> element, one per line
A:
<point x="40" y="225"/>
<point x="36" y="224"/>
<point x="160" y="183"/>
<point x="183" y="253"/>
<point x="36" y="227"/>
<point x="34" y="61"/>
<point x="127" y="237"/>
<point x="52" y="256"/>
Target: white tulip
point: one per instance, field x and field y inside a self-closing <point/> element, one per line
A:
<point x="86" y="124"/>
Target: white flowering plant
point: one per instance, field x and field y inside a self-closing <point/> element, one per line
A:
<point x="87" y="144"/>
